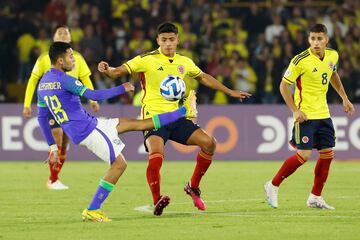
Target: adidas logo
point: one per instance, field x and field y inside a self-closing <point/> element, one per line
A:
<point x="160" y="69"/>
<point x="315" y="70"/>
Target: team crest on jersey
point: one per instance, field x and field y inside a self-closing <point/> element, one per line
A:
<point x="305" y="139"/>
<point x="78" y="83"/>
<point x="331" y="65"/>
<point x="287" y="73"/>
<point x="181" y="69"/>
<point x="51" y="122"/>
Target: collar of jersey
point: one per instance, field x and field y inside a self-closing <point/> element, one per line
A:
<point x="312" y="54"/>
<point x="54" y="70"/>
<point x="166" y="58"/>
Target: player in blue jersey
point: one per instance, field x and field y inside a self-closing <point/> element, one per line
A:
<point x="59" y="94"/>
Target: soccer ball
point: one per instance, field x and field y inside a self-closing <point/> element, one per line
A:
<point x="172" y="88"/>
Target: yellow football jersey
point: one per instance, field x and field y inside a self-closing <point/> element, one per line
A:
<point x="81" y="71"/>
<point x="154" y="67"/>
<point x="312" y="77"/>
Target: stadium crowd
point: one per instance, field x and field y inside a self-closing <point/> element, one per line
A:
<point x="247" y="46"/>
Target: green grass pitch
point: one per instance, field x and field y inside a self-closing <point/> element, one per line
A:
<point x="233" y="192"/>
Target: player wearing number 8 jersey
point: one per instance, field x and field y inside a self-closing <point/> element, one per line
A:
<point x="311" y="71"/>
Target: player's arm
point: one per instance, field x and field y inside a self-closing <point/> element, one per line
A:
<point x="87" y="83"/>
<point x="339" y="88"/>
<point x="211" y="82"/>
<point x="84" y="77"/>
<point x="112" y="72"/>
<point x="77" y="88"/>
<point x="103" y="94"/>
<point x="287" y="95"/>
<point x="43" y="113"/>
<point x="29" y="93"/>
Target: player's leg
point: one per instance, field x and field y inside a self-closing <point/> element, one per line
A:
<point x="207" y="146"/>
<point x="156" y="122"/>
<point x="325" y="142"/>
<point x="53" y="182"/>
<point x="155" y="147"/>
<point x="106" y="144"/>
<point x="303" y="140"/>
<point x="106" y="185"/>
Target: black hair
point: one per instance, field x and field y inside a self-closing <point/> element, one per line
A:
<point x="318" y="28"/>
<point x="57" y="49"/>
<point x="60" y="26"/>
<point x="167" y="27"/>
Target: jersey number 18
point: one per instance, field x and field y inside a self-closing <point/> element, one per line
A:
<point x="55" y="108"/>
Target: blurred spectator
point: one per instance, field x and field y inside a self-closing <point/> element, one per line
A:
<point x="221" y="38"/>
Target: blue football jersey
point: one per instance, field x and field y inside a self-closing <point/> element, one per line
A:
<point x="60" y="93"/>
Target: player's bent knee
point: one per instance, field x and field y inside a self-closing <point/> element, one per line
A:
<point x="209" y="145"/>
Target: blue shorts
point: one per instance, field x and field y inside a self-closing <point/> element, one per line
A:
<point x="319" y="134"/>
<point x="53" y="124"/>
<point x="178" y="131"/>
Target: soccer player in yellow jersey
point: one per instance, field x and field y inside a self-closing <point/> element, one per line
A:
<point x="154" y="67"/>
<point x="311" y="71"/>
<point x="82" y="72"/>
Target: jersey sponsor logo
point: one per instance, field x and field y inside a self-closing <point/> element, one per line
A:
<point x="331" y="65"/>
<point x="287" y="73"/>
<point x="78" y="83"/>
<point x="117" y="141"/>
<point x="314" y="70"/>
<point x="305" y="139"/>
<point x="160" y="69"/>
<point x="181" y="69"/>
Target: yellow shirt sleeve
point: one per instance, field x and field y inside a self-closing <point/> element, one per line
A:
<point x="193" y="70"/>
<point x="292" y="73"/>
<point x="135" y="65"/>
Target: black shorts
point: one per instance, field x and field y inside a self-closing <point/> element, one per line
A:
<point x="53" y="124"/>
<point x="178" y="131"/>
<point x="319" y="134"/>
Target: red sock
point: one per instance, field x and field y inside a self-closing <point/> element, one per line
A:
<point x="54" y="172"/>
<point x="153" y="175"/>
<point x="288" y="167"/>
<point x="203" y="161"/>
<point x="322" y="171"/>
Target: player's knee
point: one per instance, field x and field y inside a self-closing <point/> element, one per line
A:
<point x="305" y="155"/>
<point x="209" y="144"/>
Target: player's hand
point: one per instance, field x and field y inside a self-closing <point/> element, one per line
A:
<point x="239" y="94"/>
<point x="348" y="107"/>
<point x="27" y="112"/>
<point x="94" y="106"/>
<point x="53" y="156"/>
<point x="103" y="67"/>
<point x="299" y="116"/>
<point x="128" y="87"/>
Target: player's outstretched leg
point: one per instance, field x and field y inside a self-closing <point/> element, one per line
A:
<point x="106" y="185"/>
<point x="157" y="121"/>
